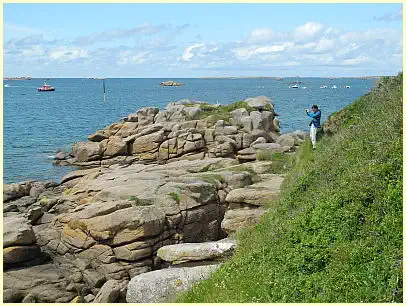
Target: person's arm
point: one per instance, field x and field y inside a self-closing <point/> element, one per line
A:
<point x="313" y="115"/>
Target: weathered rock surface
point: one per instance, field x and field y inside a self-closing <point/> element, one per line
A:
<point x="163" y="285"/>
<point x="15" y="191"/>
<point x="41" y="283"/>
<point x="157" y="183"/>
<point x="235" y="219"/>
<point x="150" y="135"/>
<point x="179" y="253"/>
<point x="86" y="151"/>
<point x="17" y="232"/>
<point x="109" y="292"/>
<point x="257" y="194"/>
<point x="258" y="102"/>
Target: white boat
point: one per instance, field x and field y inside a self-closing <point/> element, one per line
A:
<point x="334" y="87"/>
<point x="6" y="85"/>
<point x="323" y="86"/>
<point x="294" y="86"/>
<point x="347" y="86"/>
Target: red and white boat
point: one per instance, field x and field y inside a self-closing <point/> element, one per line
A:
<point x="46" y="87"/>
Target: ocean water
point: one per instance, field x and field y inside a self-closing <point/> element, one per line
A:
<point x="36" y="124"/>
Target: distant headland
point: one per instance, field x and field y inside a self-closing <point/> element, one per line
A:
<point x="17" y="78"/>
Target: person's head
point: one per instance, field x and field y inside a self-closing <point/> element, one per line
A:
<point x="315" y="108"/>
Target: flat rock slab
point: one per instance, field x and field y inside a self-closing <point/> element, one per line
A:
<point x="257" y="194"/>
<point x="271" y="182"/>
<point x="79" y="173"/>
<point x="164" y="285"/>
<point x="235" y="219"/>
<point x="184" y="252"/>
<point x="256" y="197"/>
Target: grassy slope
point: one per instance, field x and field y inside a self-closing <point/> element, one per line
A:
<point x="336" y="234"/>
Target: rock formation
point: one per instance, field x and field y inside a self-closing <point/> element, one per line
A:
<point x="185" y="130"/>
<point x="155" y="190"/>
<point x="171" y="83"/>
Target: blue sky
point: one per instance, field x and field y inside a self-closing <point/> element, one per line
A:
<point x="198" y="40"/>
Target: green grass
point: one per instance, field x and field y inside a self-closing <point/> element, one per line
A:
<point x="336" y="233"/>
<point x="174" y="196"/>
<point x="212" y="178"/>
<point x="281" y="163"/>
<point x="139" y="202"/>
<point x="213" y="113"/>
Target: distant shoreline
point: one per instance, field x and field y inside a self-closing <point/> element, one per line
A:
<point x="16" y="78"/>
<point x="209" y="77"/>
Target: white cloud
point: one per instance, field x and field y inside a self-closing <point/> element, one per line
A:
<point x="34" y="51"/>
<point x="361" y="59"/>
<point x="347" y="50"/>
<point x="188" y="54"/>
<point x="247" y="52"/>
<point x="307" y="31"/>
<point x="309" y="47"/>
<point x="131" y="57"/>
<point x="324" y="45"/>
<point x="260" y="35"/>
<point x="63" y="54"/>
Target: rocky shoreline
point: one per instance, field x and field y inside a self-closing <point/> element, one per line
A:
<point x="157" y="201"/>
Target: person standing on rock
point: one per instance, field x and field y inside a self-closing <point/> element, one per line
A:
<point x="315" y="114"/>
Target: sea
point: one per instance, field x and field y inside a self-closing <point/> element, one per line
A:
<point x="37" y="124"/>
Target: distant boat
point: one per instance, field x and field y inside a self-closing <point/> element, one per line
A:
<point x="294" y="86"/>
<point x="46" y="87"/>
<point x="334" y="87"/>
<point x="7" y="85"/>
<point x="347" y="86"/>
<point x="323" y="86"/>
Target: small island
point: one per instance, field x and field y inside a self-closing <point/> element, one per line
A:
<point x="171" y="83"/>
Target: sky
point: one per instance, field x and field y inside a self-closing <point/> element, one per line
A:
<point x="202" y="40"/>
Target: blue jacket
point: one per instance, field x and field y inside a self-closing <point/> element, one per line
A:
<point x="315" y="118"/>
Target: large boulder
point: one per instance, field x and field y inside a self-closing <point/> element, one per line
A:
<point x="86" y="151"/>
<point x="119" y="227"/>
<point x="148" y="142"/>
<point x="238" y="114"/>
<point x="184" y="252"/>
<point x="128" y="129"/>
<point x="164" y="285"/>
<point x="97" y="137"/>
<point x="259" y="102"/>
<point x="15" y="191"/>
<point x="115" y="146"/>
<point x="112" y="129"/>
<point x="286" y="140"/>
<point x="19" y="254"/>
<point x="146" y="115"/>
<point x="17" y="231"/>
<point x="109" y="292"/>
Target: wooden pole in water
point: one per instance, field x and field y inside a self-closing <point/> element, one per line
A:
<point x="104" y="91"/>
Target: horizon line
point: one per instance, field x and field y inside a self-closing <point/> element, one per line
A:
<point x="204" y="77"/>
